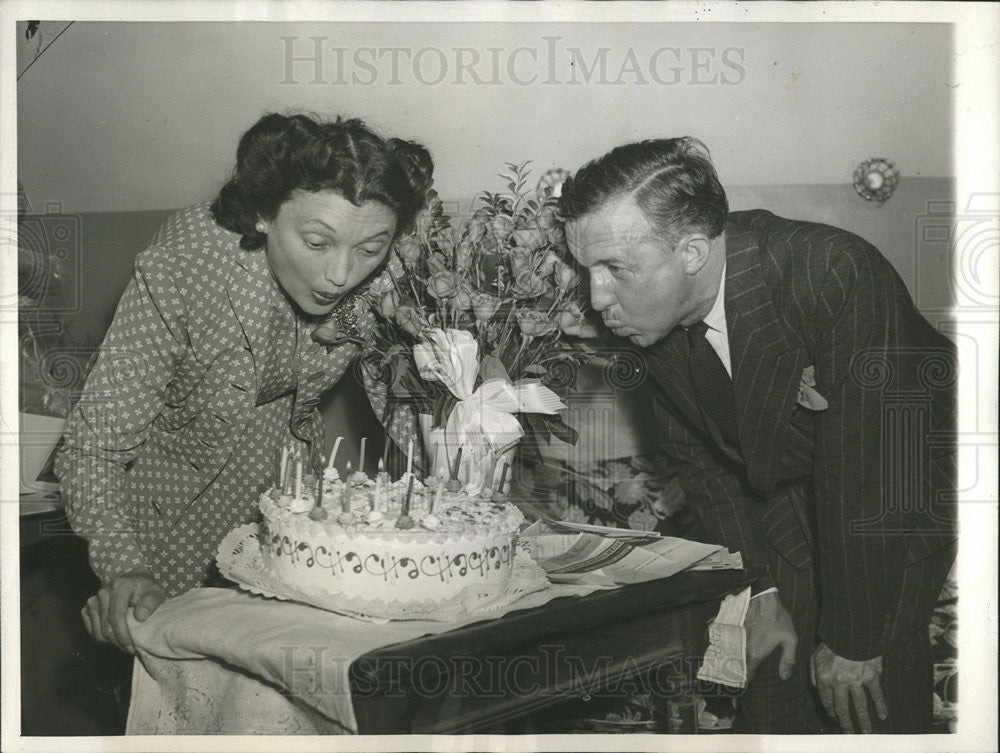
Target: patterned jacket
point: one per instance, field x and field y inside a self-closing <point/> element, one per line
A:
<point x="204" y="372"/>
<point x="861" y="489"/>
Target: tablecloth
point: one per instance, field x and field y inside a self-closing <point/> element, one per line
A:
<point x="221" y="661"/>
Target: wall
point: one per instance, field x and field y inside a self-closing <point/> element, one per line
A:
<point x="134" y="116"/>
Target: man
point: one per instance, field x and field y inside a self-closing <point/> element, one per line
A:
<point x="809" y="410"/>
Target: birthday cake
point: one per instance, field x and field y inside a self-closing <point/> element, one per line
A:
<point x="377" y="547"/>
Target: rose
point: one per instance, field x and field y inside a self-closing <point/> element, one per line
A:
<point x="547" y="218"/>
<point x="387" y="303"/>
<point x="566" y="276"/>
<point x="573" y="322"/>
<point x="436" y="263"/>
<point x="476" y="229"/>
<point x="409" y="319"/>
<point x="528" y="285"/>
<point x="529" y="237"/>
<point x="409" y="248"/>
<point x="485" y="306"/>
<point x="535" y="323"/>
<point x="463" y="255"/>
<point x="463" y="298"/>
<point x="549" y="263"/>
<point x="503" y="226"/>
<point x="442" y="284"/>
<point x="557" y="237"/>
<point x="521" y="260"/>
<point x="488" y="245"/>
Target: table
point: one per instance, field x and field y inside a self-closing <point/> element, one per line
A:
<point x="485" y="675"/>
<point x="219" y="661"/>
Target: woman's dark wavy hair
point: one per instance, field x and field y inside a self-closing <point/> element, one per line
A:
<point x="672" y="180"/>
<point x="281" y="154"/>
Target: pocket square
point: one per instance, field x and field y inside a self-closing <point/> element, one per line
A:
<point x="808" y="397"/>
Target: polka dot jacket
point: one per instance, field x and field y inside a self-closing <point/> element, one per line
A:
<point x="205" y="372"/>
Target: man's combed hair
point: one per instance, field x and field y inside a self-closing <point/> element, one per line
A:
<point x="281" y="154"/>
<point x="672" y="180"/>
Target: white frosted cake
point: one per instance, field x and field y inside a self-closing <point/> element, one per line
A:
<point x="366" y="552"/>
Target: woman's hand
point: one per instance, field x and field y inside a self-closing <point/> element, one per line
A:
<point x="105" y="612"/>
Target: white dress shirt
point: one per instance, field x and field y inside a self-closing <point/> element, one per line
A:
<point x="718" y="333"/>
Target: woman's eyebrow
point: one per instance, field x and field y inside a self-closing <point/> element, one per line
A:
<point x="318" y="221"/>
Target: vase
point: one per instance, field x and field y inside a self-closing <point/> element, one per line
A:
<point x="38" y="438"/>
<point x="482" y="462"/>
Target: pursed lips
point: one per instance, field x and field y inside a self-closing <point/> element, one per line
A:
<point x="323" y="297"/>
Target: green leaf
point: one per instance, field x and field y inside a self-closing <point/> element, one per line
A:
<point x="492" y="367"/>
<point x="559" y="428"/>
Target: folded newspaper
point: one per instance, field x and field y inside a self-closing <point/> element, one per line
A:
<point x="609" y="557"/>
<point x="599" y="555"/>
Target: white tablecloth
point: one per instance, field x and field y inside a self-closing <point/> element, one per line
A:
<point x="220" y="661"/>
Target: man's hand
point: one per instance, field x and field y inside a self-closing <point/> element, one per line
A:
<point x="105" y="612"/>
<point x="769" y="626"/>
<point x="842" y="684"/>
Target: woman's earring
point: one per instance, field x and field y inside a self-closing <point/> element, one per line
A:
<point x="261" y="227"/>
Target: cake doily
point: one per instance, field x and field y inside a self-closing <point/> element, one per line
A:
<point x="239" y="559"/>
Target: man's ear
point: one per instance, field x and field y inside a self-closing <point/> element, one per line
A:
<point x="695" y="250"/>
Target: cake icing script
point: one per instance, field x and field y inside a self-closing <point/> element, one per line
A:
<point x="443" y="566"/>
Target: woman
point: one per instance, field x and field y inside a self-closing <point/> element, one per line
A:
<point x="214" y="358"/>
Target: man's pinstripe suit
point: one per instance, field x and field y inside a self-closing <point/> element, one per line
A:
<point x="848" y="510"/>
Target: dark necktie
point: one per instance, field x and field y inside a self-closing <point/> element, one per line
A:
<point x="712" y="384"/>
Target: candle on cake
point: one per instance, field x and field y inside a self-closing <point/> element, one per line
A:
<point x="318" y="513"/>
<point x="404" y="520"/>
<point x="500" y="495"/>
<point x="333" y="452"/>
<point x="454" y="484"/>
<point x="345" y="516"/>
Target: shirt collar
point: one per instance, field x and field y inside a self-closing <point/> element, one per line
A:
<point x="716" y="318"/>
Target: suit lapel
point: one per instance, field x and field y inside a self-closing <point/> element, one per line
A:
<point x="766" y="369"/>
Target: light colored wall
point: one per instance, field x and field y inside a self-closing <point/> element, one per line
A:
<point x="130" y="116"/>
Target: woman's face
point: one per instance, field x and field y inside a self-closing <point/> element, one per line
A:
<point x="320" y="246"/>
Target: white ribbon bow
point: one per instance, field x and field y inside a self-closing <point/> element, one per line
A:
<point x="452" y="358"/>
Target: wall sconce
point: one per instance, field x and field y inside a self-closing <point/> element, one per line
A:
<point x="876" y="179"/>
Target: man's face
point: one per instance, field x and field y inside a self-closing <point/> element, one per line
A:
<point x="320" y="247"/>
<point x="638" y="283"/>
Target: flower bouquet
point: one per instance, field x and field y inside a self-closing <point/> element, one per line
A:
<point x="481" y="325"/>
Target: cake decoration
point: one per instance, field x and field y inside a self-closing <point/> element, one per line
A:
<point x="379" y="545"/>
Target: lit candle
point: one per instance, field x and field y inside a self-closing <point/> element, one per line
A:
<point x="282" y="464"/>
<point x="345" y="504"/>
<point x="409" y="458"/>
<point x="286" y="480"/>
<point x="361" y="456"/>
<point x="333" y="452"/>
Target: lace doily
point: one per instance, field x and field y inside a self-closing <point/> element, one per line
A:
<point x="239" y="559"/>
